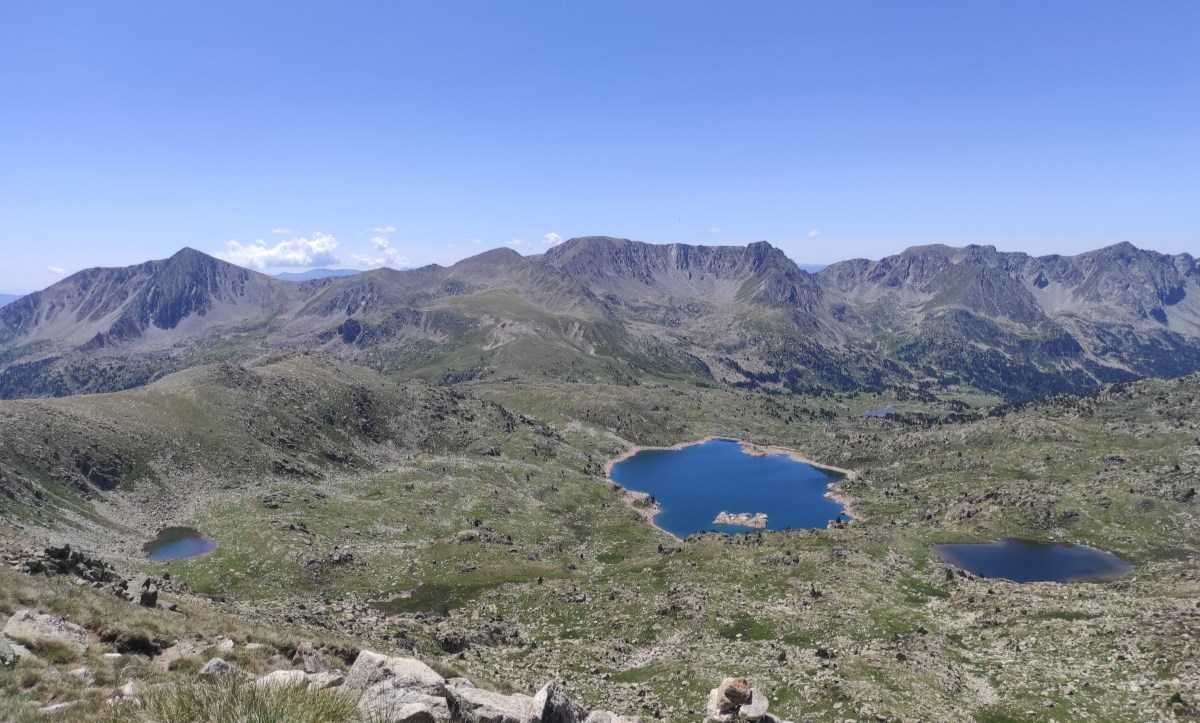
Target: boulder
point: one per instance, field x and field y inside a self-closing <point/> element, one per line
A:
<point x="756" y="708"/>
<point x="282" y="678"/>
<point x="321" y="681"/>
<point x="551" y="705"/>
<point x="475" y="705"/>
<point x="371" y="668"/>
<point x="8" y="656"/>
<point x="390" y="700"/>
<point x="736" y="691"/>
<point x="311" y="660"/>
<point x="217" y="669"/>
<point x="28" y="626"/>
<point x="734" y="700"/>
<point x="148" y="597"/>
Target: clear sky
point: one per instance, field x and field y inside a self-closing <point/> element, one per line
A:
<point x="294" y="134"/>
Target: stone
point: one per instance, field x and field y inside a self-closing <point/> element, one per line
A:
<point x="8" y="656"/>
<point x="28" y="626"/>
<point x="148" y="597"/>
<point x="390" y="700"/>
<point x="56" y="708"/>
<point x="712" y="709"/>
<point x="226" y="644"/>
<point x="551" y="705"/>
<point x="311" y="660"/>
<point x="322" y="681"/>
<point x="217" y="669"/>
<point x="371" y="668"/>
<point x="736" y="691"/>
<point x="475" y="705"/>
<point x="604" y="716"/>
<point x="756" y="708"/>
<point x="282" y="678"/>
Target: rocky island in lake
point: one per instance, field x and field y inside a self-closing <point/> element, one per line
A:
<point x="742" y="519"/>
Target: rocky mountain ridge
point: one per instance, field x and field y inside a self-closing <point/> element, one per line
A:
<point x="930" y="318"/>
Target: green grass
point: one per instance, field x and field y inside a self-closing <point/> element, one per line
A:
<point x="236" y="701"/>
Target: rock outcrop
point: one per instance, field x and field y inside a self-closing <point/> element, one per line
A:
<point x="28" y="626"/>
<point x="742" y="519"/>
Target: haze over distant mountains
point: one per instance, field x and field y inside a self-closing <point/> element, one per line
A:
<point x="927" y="319"/>
<point x="8" y="298"/>
<point x="315" y="274"/>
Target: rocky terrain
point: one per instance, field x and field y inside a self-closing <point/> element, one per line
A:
<point x="408" y="469"/>
<point x="471" y="527"/>
<point x="928" y="320"/>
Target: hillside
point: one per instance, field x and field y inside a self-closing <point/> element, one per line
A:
<point x="471" y="527"/>
<point x="930" y="320"/>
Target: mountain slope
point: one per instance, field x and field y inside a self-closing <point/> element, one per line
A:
<point x="313" y="274"/>
<point x="927" y="320"/>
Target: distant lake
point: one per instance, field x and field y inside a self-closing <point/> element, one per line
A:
<point x="883" y="412"/>
<point x="1025" y="561"/>
<point x="696" y="483"/>
<point x="179" y="543"/>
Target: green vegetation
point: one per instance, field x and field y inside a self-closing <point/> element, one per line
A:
<point x="472" y="526"/>
<point x="234" y="701"/>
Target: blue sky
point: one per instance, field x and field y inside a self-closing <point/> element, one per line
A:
<point x="301" y="132"/>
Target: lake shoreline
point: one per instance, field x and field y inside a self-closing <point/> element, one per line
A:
<point x="756" y="450"/>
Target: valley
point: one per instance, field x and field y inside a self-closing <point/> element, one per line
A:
<point x="418" y="464"/>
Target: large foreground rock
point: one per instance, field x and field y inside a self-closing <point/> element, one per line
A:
<point x="28" y="626"/>
<point x="735" y="700"/>
<point x="475" y="705"/>
<point x="412" y="675"/>
<point x="551" y="705"/>
<point x="389" y="700"/>
<point x="282" y="679"/>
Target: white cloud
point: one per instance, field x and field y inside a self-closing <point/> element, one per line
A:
<point x="516" y="243"/>
<point x="814" y="233"/>
<point x="384" y="255"/>
<point x="283" y="230"/>
<point x="714" y="229"/>
<point x="382" y="229"/>
<point x="476" y="241"/>
<point x="317" y="251"/>
<point x="552" y="238"/>
<point x="56" y="269"/>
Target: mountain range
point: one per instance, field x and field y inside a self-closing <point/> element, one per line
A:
<point x="927" y="320"/>
<point x="315" y="274"/>
<point x="6" y="299"/>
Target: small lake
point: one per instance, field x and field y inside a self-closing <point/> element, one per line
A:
<point x="696" y="483"/>
<point x="882" y="412"/>
<point x="1025" y="561"/>
<point x="179" y="543"/>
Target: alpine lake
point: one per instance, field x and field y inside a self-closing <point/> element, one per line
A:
<point x="696" y="483"/>
<point x="178" y="543"/>
<point x="1027" y="561"/>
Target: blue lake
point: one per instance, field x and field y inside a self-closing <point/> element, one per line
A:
<point x="179" y="543"/>
<point x="1025" y="561"/>
<point x="694" y="484"/>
